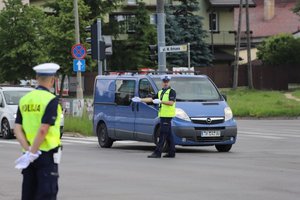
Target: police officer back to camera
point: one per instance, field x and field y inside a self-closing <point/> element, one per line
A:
<point x="166" y="98"/>
<point x="38" y="131"/>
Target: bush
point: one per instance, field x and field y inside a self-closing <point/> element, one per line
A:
<point x="279" y="50"/>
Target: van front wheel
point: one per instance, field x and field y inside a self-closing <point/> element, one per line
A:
<point x="103" y="139"/>
<point x="224" y="148"/>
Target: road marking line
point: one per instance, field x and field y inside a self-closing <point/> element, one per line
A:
<point x="78" y="142"/>
<point x="126" y="142"/>
<point x="8" y="142"/>
<point x="261" y="136"/>
<point x="268" y="134"/>
<point x="92" y="139"/>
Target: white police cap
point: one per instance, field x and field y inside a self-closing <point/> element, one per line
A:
<point x="166" y="78"/>
<point x="46" y="69"/>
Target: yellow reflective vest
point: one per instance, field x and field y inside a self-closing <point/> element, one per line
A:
<point x="32" y="107"/>
<point x="166" y="110"/>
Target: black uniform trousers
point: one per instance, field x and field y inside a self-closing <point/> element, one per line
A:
<point x="165" y="136"/>
<point x="40" y="178"/>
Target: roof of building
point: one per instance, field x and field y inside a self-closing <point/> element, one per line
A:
<point x="228" y="3"/>
<point x="284" y="21"/>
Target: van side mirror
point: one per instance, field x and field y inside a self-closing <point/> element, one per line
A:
<point x="224" y="96"/>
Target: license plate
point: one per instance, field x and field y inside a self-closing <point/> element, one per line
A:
<point x="211" y="134"/>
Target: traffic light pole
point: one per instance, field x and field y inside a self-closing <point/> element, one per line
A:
<point x="79" y="92"/>
<point x="161" y="40"/>
<point x="99" y="33"/>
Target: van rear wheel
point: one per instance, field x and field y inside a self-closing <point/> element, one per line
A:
<point x="103" y="139"/>
<point x="224" y="148"/>
<point x="156" y="140"/>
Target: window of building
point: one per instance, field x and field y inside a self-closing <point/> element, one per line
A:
<point x="124" y="92"/>
<point x="125" y="22"/>
<point x="131" y="2"/>
<point x="153" y="19"/>
<point x="213" y="22"/>
<point x="146" y="89"/>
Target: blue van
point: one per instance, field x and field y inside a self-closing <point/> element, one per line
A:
<point x="203" y="118"/>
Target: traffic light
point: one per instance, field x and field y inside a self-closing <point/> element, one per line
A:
<point x="98" y="44"/>
<point x="93" y="40"/>
<point x="153" y="53"/>
<point x="102" y="48"/>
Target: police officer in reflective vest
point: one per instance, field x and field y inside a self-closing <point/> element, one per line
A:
<point x="38" y="131"/>
<point x="166" y="99"/>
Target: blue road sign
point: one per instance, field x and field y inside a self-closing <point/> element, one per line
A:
<point x="78" y="51"/>
<point x="79" y="65"/>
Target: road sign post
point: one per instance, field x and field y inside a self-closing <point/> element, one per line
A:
<point x="79" y="53"/>
<point x="189" y="55"/>
<point x="79" y="92"/>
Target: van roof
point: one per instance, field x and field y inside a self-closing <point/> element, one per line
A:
<point x="5" y="88"/>
<point x="149" y="75"/>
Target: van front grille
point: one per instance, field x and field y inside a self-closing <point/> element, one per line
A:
<point x="207" y="120"/>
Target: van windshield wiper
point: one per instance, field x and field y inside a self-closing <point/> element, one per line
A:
<point x="192" y="100"/>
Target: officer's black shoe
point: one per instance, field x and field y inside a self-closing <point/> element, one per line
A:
<point x="169" y="155"/>
<point x="154" y="155"/>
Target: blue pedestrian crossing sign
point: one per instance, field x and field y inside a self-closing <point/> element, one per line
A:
<point x="79" y="65"/>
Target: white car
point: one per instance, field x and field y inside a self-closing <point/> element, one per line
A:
<point x="9" y="100"/>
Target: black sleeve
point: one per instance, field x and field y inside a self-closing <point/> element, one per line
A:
<point x="155" y="96"/>
<point x="172" y="95"/>
<point x="19" y="118"/>
<point x="50" y="114"/>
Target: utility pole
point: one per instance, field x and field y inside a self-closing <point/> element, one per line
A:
<point x="161" y="39"/>
<point x="238" y="46"/>
<point x="189" y="55"/>
<point x="79" y="92"/>
<point x="99" y="34"/>
<point x="250" y="78"/>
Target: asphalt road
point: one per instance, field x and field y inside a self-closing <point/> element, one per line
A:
<point x="263" y="164"/>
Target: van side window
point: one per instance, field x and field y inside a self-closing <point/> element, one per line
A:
<point x="124" y="92"/>
<point x="105" y="91"/>
<point x="145" y="89"/>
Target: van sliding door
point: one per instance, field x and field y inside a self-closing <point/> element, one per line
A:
<point x="125" y="110"/>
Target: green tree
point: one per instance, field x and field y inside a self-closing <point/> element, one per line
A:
<point x="279" y="50"/>
<point x="184" y="26"/>
<point x="21" y="35"/>
<point x="296" y="9"/>
<point x="60" y="32"/>
<point x="133" y="53"/>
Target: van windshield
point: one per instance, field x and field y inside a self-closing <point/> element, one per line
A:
<point x="192" y="89"/>
<point x="13" y="97"/>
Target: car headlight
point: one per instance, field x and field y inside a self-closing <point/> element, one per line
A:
<point x="228" y="114"/>
<point x="15" y="115"/>
<point x="182" y="115"/>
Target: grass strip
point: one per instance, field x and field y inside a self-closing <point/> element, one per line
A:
<point x="256" y="103"/>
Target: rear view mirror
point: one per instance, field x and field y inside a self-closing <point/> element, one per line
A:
<point x="224" y="97"/>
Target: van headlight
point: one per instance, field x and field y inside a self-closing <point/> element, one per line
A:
<point x="182" y="115"/>
<point x="228" y="113"/>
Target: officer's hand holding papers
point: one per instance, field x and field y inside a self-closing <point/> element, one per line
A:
<point x="24" y="161"/>
<point x="136" y="99"/>
<point x="156" y="101"/>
